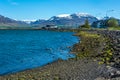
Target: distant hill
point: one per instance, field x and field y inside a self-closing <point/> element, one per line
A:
<point x="6" y="22"/>
<point x="66" y="20"/>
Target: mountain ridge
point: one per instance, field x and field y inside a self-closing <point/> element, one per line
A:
<point x="65" y="20"/>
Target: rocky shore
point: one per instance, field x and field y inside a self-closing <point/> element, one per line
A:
<point x="85" y="68"/>
<point x="114" y="37"/>
<point x="113" y="69"/>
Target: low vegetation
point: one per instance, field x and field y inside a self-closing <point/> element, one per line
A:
<point x="114" y="28"/>
<point x="88" y="44"/>
<point x="93" y="45"/>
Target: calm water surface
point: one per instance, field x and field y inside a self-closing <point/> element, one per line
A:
<point x="26" y="49"/>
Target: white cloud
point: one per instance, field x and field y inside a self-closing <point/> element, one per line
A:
<point x="13" y="2"/>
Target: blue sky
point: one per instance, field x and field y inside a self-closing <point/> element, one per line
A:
<point x="44" y="9"/>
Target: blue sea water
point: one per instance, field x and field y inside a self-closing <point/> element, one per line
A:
<point x="26" y="49"/>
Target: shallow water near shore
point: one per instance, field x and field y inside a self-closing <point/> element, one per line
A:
<point x="26" y="49"/>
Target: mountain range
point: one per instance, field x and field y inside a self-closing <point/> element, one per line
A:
<point x="63" y="20"/>
<point x="66" y="20"/>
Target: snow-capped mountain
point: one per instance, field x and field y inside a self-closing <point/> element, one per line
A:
<point x="62" y="16"/>
<point x="68" y="20"/>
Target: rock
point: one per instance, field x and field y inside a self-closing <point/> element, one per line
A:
<point x="112" y="72"/>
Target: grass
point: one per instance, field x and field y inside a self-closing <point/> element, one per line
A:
<point x="88" y="45"/>
<point x="114" y="28"/>
<point x="87" y="35"/>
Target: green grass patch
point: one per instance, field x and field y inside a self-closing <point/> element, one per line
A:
<point x="87" y="35"/>
<point x="114" y="28"/>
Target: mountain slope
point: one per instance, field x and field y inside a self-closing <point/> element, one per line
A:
<point x="37" y="22"/>
<point x="7" y="22"/>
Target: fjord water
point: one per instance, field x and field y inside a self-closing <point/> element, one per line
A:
<point x="26" y="49"/>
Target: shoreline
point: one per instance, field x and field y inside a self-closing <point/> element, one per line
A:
<point x="85" y="68"/>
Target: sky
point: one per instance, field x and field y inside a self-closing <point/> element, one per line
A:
<point x="44" y="9"/>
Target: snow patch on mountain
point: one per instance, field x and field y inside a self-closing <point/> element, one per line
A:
<point x="68" y="16"/>
<point x="82" y="14"/>
<point x="99" y="18"/>
<point x="63" y="15"/>
<point x="52" y="18"/>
